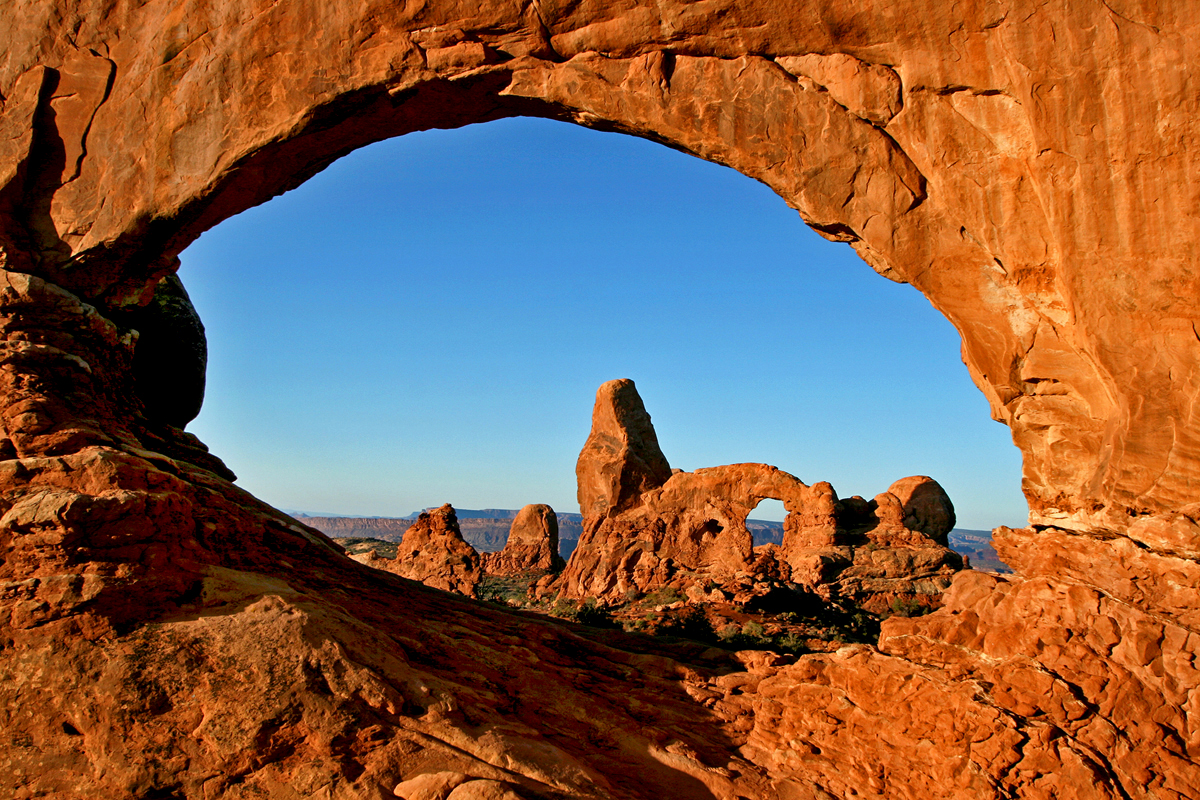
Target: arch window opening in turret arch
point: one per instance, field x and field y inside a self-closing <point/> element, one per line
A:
<point x="427" y="320"/>
<point x="765" y="522"/>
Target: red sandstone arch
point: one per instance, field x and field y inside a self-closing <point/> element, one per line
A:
<point x="1027" y="166"/>
<point x="144" y="128"/>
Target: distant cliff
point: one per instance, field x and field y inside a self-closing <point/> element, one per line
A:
<point x="488" y="534"/>
<point x="485" y="534"/>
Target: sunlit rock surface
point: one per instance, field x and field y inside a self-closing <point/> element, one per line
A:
<point x="433" y="552"/>
<point x="691" y="526"/>
<point x="532" y="544"/>
<point x="1029" y="166"/>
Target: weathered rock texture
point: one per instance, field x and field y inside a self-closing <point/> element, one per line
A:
<point x="691" y="526"/>
<point x="1028" y="165"/>
<point x="433" y="552"/>
<point x="620" y="460"/>
<point x="532" y="544"/>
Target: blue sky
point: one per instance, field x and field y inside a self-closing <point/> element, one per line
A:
<point x="427" y="321"/>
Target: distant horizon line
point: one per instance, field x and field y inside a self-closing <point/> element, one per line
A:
<point x="510" y="513"/>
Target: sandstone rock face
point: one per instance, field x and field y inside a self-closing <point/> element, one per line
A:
<point x="694" y="523"/>
<point x="434" y="553"/>
<point x="862" y="121"/>
<point x="1028" y="166"/>
<point x="621" y="459"/>
<point x="532" y="544"/>
<point x="926" y="506"/>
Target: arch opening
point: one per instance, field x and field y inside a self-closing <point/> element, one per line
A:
<point x="403" y="289"/>
<point x="926" y="141"/>
<point x="765" y="521"/>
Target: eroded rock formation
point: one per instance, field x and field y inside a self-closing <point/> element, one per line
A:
<point x="690" y="527"/>
<point x="1027" y="165"/>
<point x="620" y="460"/>
<point x="171" y="355"/>
<point x="532" y="544"/>
<point x="433" y="552"/>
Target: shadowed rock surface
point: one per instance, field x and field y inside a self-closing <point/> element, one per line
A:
<point x="1027" y="165"/>
<point x="171" y="355"/>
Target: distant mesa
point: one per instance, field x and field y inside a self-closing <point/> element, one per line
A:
<point x="486" y="530"/>
<point x="977" y="546"/>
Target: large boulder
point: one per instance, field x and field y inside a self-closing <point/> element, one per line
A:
<point x="926" y="506"/>
<point x="433" y="552"/>
<point x="532" y="544"/>
<point x="621" y="459"/>
<point x="171" y="354"/>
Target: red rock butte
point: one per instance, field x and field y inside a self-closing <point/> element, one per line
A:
<point x="1031" y="167"/>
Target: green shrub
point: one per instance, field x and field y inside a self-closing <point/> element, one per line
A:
<point x="593" y="614"/>
<point x="564" y="609"/>
<point x="664" y="596"/>
<point x="753" y="630"/>
<point x="791" y="643"/>
<point x="908" y="607"/>
<point x="690" y="623"/>
<point x="505" y="590"/>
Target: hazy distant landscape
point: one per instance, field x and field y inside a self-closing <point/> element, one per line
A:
<point x="487" y="530"/>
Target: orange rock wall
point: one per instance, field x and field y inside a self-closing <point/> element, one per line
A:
<point x="129" y="130"/>
<point x="1029" y="166"/>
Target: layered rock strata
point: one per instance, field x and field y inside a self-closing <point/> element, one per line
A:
<point x="643" y="529"/>
<point x="532" y="544"/>
<point x="1026" y="165"/>
<point x="433" y="552"/>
